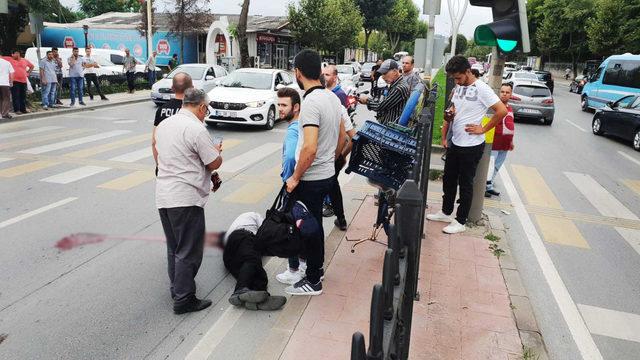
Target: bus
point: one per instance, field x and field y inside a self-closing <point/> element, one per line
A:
<point x="617" y="77"/>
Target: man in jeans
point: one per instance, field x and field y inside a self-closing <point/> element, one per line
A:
<point x="150" y="68"/>
<point x="76" y="77"/>
<point x="48" y="81"/>
<point x="129" y="67"/>
<point x="186" y="158"/>
<point x="471" y="100"/>
<point x="90" y="64"/>
<point x="58" y="61"/>
<point x="320" y="128"/>
<point x="502" y="140"/>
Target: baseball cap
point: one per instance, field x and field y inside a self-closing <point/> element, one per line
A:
<point x="387" y="65"/>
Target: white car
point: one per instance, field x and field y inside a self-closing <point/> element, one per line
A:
<point x="248" y="96"/>
<point x="107" y="72"/>
<point x="347" y="72"/>
<point x="204" y="76"/>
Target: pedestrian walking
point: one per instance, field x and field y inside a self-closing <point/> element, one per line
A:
<point x="186" y="158"/>
<point x="76" y="77"/>
<point x="320" y="129"/>
<point x="129" y="67"/>
<point x="90" y="65"/>
<point x="388" y="111"/>
<point x="471" y="100"/>
<point x="150" y="68"/>
<point x="408" y="74"/>
<point x="22" y="68"/>
<point x="58" y="61"/>
<point x="502" y="139"/>
<point x="173" y="62"/>
<point x="48" y="81"/>
<point x="6" y="82"/>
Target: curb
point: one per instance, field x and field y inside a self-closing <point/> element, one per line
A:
<point x="437" y="149"/>
<point x="522" y="310"/>
<point x="42" y="114"/>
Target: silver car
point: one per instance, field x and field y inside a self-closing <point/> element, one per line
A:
<point x="532" y="100"/>
<point x="204" y="76"/>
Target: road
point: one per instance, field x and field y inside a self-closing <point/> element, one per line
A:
<point x="91" y="173"/>
<point x="575" y="233"/>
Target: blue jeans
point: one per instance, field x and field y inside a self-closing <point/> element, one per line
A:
<point x="77" y="86"/>
<point x="49" y="94"/>
<point x="151" y="76"/>
<point x="499" y="157"/>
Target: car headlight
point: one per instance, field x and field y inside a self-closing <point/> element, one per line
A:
<point x="255" y="104"/>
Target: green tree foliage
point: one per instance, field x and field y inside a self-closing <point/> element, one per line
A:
<point x="189" y="16"/>
<point x="461" y="45"/>
<point x="535" y="15"/>
<point x="373" y="12"/>
<point x="97" y="7"/>
<point x="476" y="51"/>
<point x="615" y="28"/>
<point x="401" y="24"/>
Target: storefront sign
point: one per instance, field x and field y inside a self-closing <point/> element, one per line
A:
<point x="266" y="38"/>
<point x="69" y="42"/>
<point x="222" y="43"/>
<point x="163" y="47"/>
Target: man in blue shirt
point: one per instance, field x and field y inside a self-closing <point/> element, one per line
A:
<point x="330" y="73"/>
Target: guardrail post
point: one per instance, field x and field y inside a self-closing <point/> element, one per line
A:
<point x="358" y="351"/>
<point x="376" y="326"/>
<point x="394" y="244"/>
<point x="387" y="284"/>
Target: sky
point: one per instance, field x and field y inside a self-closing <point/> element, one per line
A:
<point x="474" y="16"/>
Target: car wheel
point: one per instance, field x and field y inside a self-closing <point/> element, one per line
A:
<point x="212" y="123"/>
<point x="584" y="103"/>
<point x="547" y="121"/>
<point x="271" y="118"/>
<point x="596" y="126"/>
<point x="636" y="140"/>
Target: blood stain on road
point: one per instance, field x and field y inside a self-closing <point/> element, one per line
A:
<point x="74" y="240"/>
<point x="3" y="337"/>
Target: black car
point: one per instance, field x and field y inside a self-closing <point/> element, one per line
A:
<point x="621" y="119"/>
<point x="545" y="77"/>
<point x="577" y="84"/>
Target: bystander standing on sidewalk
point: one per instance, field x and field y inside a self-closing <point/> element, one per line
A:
<point x="22" y="68"/>
<point x="6" y="82"/>
<point x="58" y="61"/>
<point x="186" y="158"/>
<point x="321" y="129"/>
<point x="48" y="81"/>
<point x="76" y="77"/>
<point x="90" y="64"/>
<point x="388" y="111"/>
<point x="330" y="74"/>
<point x="129" y="67"/>
<point x="471" y="100"/>
<point x="502" y="139"/>
<point x="173" y="62"/>
<point x="150" y="68"/>
<point x="408" y="74"/>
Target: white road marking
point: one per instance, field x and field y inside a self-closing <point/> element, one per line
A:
<point x="576" y="125"/>
<point x="568" y="309"/>
<point x="29" y="131"/>
<point x="249" y="158"/>
<point x="85" y="115"/>
<point x="629" y="157"/>
<point x="125" y="121"/>
<point x="70" y="143"/>
<point x="279" y="130"/>
<point x="134" y="155"/>
<point x="75" y="174"/>
<point x="611" y="323"/>
<point x="3" y="159"/>
<point x="36" y="212"/>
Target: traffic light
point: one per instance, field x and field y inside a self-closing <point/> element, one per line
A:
<point x="509" y="30"/>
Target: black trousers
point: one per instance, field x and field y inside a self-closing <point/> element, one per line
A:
<point x="131" y="78"/>
<point x="93" y="78"/>
<point x="335" y="194"/>
<point x="460" y="170"/>
<point x="251" y="275"/>
<point x="184" y="229"/>
<point x="244" y="262"/>
<point x="19" y="96"/>
<point x="59" y="91"/>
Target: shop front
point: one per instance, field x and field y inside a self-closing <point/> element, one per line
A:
<point x="274" y="51"/>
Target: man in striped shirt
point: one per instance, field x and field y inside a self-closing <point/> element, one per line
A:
<point x="390" y="108"/>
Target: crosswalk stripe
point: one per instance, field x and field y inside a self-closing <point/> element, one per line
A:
<point x="629" y="157"/>
<point x="26" y="168"/>
<point x="249" y="158"/>
<point x="611" y="323"/>
<point x="75" y="174"/>
<point x="36" y="212"/>
<point x="560" y="231"/>
<point x="95" y="150"/>
<point x="38" y="139"/>
<point x="128" y="181"/>
<point x="230" y="144"/>
<point x="74" y="142"/>
<point x="534" y="187"/>
<point x="134" y="155"/>
<point x="249" y="193"/>
<point x="4" y="159"/>
<point x="28" y="132"/>
<point x="633" y="185"/>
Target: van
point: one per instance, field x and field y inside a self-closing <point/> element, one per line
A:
<point x="106" y="69"/>
<point x="617" y="77"/>
<point x="117" y="57"/>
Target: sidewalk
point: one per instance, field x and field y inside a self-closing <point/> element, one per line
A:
<point x="464" y="311"/>
<point x="96" y="103"/>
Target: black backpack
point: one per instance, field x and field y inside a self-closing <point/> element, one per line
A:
<point x="278" y="235"/>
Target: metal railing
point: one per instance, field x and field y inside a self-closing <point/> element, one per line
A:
<point x="392" y="300"/>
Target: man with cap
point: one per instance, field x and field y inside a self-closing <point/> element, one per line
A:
<point x="390" y="108"/>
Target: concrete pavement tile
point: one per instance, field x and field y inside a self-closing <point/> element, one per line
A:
<point x="356" y="310"/>
<point x="326" y="306"/>
<point x="462" y="269"/>
<point x="510" y="343"/>
<point x="523" y="312"/>
<point x="334" y="330"/>
<point x="513" y="282"/>
<point x="302" y="346"/>
<point x="490" y="322"/>
<point x="461" y="249"/>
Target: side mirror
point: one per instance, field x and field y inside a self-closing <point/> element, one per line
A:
<point x="164" y="76"/>
<point x="209" y="77"/>
<point x="280" y="86"/>
<point x="612" y="105"/>
<point x="366" y="92"/>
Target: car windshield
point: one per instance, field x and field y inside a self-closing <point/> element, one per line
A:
<point x="532" y="91"/>
<point x="367" y="67"/>
<point x="543" y="76"/>
<point x="250" y="80"/>
<point x="196" y="73"/>
<point x="345" y="69"/>
<point x="524" y="75"/>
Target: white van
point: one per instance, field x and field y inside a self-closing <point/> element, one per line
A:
<point x="106" y="69"/>
<point x="117" y="57"/>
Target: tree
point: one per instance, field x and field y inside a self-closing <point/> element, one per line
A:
<point x="535" y="15"/>
<point x="373" y="12"/>
<point x="97" y="7"/>
<point x="476" y="51"/>
<point x="401" y="24"/>
<point x="242" y="35"/>
<point x="606" y="39"/>
<point x="142" y="27"/>
<point x="189" y="16"/>
<point x="461" y="45"/>
<point x="11" y="25"/>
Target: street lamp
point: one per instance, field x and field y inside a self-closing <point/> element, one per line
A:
<point x="85" y="28"/>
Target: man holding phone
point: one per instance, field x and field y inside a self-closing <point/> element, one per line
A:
<point x="471" y="101"/>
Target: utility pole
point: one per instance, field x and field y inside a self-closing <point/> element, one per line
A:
<point x="456" y="14"/>
<point x="431" y="8"/>
<point x="149" y="28"/>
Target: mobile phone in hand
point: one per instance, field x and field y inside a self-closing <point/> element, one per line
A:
<point x="217" y="139"/>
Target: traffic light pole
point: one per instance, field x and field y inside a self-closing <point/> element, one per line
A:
<point x="480" y="181"/>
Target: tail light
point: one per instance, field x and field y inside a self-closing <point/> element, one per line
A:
<point x="513" y="97"/>
<point x="547" y="101"/>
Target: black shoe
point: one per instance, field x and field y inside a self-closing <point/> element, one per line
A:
<point x="91" y="98"/>
<point x="341" y="224"/>
<point x="327" y="211"/>
<point x="192" y="306"/>
<point x="104" y="98"/>
<point x="58" y="102"/>
<point x="83" y="104"/>
<point x="270" y="304"/>
<point x="304" y="287"/>
<point x="242" y="296"/>
<point x="493" y="192"/>
<point x="487" y="194"/>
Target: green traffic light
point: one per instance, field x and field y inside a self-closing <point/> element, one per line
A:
<point x="507" y="45"/>
<point x="485" y="36"/>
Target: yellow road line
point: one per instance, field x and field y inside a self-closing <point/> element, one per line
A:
<point x="230" y="144"/>
<point x="534" y="187"/>
<point x="249" y="193"/>
<point x="38" y="139"/>
<point x="561" y="231"/>
<point x="26" y="168"/>
<point x="633" y="185"/>
<point x="85" y="153"/>
<point x="128" y="181"/>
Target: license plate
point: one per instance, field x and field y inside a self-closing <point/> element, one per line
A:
<point x="529" y="111"/>
<point x="166" y="97"/>
<point x="227" y="113"/>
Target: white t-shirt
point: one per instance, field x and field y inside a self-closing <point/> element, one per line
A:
<point x="250" y="221"/>
<point x="5" y="69"/>
<point x="89" y="60"/>
<point x="472" y="103"/>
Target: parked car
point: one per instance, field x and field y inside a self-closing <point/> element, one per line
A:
<point x="577" y="84"/>
<point x="507" y="71"/>
<point x="521" y="75"/>
<point x="248" y="96"/>
<point x="621" y="119"/>
<point x="347" y="72"/>
<point x="355" y="64"/>
<point x="365" y="72"/>
<point x="203" y="75"/>
<point x="617" y="76"/>
<point x="545" y="77"/>
<point x="532" y="100"/>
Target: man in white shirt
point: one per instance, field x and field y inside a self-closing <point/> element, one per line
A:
<point x="6" y="82"/>
<point x="90" y="65"/>
<point x="150" y="68"/>
<point x="186" y="158"/>
<point x="471" y="101"/>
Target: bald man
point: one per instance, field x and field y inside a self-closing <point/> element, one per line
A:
<point x="330" y="73"/>
<point x="410" y="77"/>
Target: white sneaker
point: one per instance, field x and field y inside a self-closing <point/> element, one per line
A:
<point x="290" y="277"/>
<point x="454" y="228"/>
<point x="439" y="216"/>
<point x="303" y="266"/>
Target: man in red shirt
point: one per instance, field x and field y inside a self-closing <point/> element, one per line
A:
<point x="503" y="138"/>
<point x="22" y="68"/>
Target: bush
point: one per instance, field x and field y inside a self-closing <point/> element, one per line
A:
<point x="441" y="80"/>
<point x="113" y="88"/>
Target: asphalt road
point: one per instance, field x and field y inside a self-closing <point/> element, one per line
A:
<point x="581" y="193"/>
<point x="91" y="173"/>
